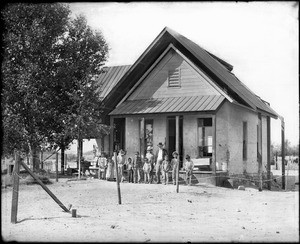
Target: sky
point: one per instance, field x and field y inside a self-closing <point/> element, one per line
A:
<point x="260" y="40"/>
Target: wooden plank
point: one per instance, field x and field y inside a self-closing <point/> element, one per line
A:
<point x="15" y="193"/>
<point x="44" y="187"/>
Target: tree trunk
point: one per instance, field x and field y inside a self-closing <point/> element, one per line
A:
<point x="62" y="159"/>
<point x="79" y="156"/>
<point x="34" y="159"/>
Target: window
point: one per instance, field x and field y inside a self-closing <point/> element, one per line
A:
<point x="205" y="138"/>
<point x="149" y="132"/>
<point x="245" y="140"/>
<point x="174" y="78"/>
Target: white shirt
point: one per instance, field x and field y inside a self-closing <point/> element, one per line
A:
<point x="160" y="154"/>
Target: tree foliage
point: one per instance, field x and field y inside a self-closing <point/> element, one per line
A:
<point x="49" y="66"/>
<point x="30" y="35"/>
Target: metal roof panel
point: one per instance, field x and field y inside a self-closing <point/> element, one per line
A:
<point x="168" y="105"/>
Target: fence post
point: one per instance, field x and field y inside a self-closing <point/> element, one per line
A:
<point x="56" y="166"/>
<point x="15" y="193"/>
<point x="117" y="177"/>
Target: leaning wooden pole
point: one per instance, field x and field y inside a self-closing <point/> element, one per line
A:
<point x="15" y="193"/>
<point x="117" y="177"/>
<point x="177" y="149"/>
<point x="44" y="186"/>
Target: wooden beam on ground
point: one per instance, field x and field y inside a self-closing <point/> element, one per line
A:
<point x="44" y="186"/>
<point x="15" y="193"/>
<point x="177" y="149"/>
<point x="117" y="178"/>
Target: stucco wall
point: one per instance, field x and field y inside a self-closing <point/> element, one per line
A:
<point x="132" y="141"/>
<point x="230" y="125"/>
<point x="159" y="131"/>
<point x="264" y="143"/>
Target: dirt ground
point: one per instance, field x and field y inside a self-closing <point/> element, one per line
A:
<point x="150" y="213"/>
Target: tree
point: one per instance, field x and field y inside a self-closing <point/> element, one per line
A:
<point x="31" y="32"/>
<point x="82" y="53"/>
<point x="49" y="67"/>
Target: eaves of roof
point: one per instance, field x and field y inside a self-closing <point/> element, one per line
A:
<point x="214" y="67"/>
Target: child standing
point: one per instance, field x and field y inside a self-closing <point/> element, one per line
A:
<point x="174" y="165"/>
<point x="137" y="166"/>
<point x="130" y="170"/>
<point x="165" y="169"/>
<point x="121" y="162"/>
<point x="102" y="161"/>
<point x="189" y="165"/>
<point x="110" y="169"/>
<point x="150" y="157"/>
<point x="146" y="169"/>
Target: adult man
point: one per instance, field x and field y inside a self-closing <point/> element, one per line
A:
<point x="159" y="156"/>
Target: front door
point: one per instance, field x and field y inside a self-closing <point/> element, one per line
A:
<point x="171" y="137"/>
<point x="119" y="134"/>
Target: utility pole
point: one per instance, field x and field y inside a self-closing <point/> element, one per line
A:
<point x="282" y="153"/>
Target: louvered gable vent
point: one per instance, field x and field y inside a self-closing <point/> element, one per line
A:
<point x="174" y="78"/>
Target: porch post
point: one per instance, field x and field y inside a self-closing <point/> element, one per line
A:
<point x="269" y="152"/>
<point x="259" y="151"/>
<point x="177" y="149"/>
<point x="214" y="156"/>
<point x="111" y="136"/>
<point x="142" y="134"/>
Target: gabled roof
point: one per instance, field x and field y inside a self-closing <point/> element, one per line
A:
<point x="110" y="77"/>
<point x="217" y="69"/>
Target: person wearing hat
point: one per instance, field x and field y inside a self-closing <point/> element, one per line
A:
<point x="150" y="157"/>
<point x="121" y="161"/>
<point x="174" y="165"/>
<point x="159" y="157"/>
<point x="189" y="165"/>
<point x="137" y="167"/>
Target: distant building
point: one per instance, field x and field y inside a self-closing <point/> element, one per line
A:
<point x="181" y="95"/>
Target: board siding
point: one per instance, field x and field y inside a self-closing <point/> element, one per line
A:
<point x="155" y="84"/>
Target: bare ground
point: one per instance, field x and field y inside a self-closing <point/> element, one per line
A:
<point x="150" y="213"/>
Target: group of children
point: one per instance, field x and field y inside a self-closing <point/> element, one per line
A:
<point x="145" y="170"/>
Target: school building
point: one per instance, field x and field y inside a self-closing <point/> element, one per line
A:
<point x="187" y="98"/>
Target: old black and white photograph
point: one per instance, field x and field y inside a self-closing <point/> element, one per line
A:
<point x="150" y="122"/>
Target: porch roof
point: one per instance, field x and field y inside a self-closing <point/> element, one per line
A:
<point x="169" y="104"/>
